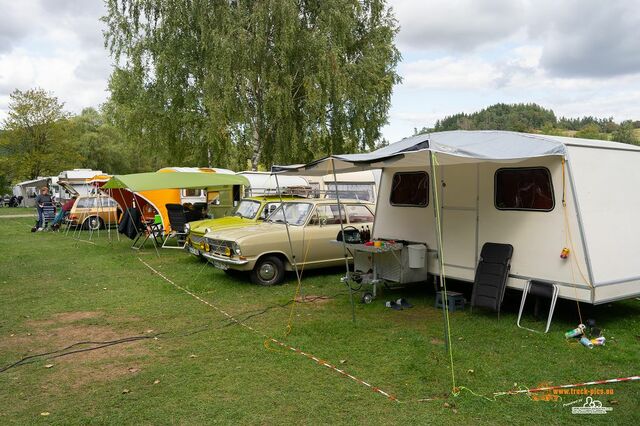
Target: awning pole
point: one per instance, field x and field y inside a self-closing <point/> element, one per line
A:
<point x="286" y="225"/>
<point x="436" y="221"/>
<point x="344" y="244"/>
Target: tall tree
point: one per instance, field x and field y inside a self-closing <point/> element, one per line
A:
<point x="100" y="144"/>
<point x="514" y="117"/>
<point x="590" y="131"/>
<point x="33" y="141"/>
<point x="263" y="80"/>
<point x="625" y="133"/>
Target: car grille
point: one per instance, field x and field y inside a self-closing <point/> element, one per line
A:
<point x="195" y="239"/>
<point x="219" y="246"/>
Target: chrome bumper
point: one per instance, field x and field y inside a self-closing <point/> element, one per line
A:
<point x="192" y="250"/>
<point x="214" y="258"/>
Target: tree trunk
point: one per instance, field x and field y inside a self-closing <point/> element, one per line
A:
<point x="255" y="157"/>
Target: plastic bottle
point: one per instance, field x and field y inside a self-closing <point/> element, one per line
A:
<point x="586" y="342"/>
<point x="576" y="332"/>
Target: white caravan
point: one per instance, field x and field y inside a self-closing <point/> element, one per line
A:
<point x="75" y="182"/>
<point x="264" y="183"/>
<point x="547" y="196"/>
<point x="356" y="186"/>
<point x="361" y="186"/>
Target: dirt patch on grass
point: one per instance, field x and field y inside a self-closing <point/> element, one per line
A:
<point x="313" y="299"/>
<point x="82" y="333"/>
<point x="86" y="367"/>
<point x="65" y="317"/>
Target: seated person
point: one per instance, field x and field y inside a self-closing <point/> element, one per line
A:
<point x="192" y="212"/>
<point x="64" y="212"/>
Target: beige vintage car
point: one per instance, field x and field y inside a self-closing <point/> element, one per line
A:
<point x="264" y="251"/>
<point x="94" y="212"/>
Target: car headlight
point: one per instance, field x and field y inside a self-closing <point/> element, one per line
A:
<point x="187" y="227"/>
<point x="236" y="249"/>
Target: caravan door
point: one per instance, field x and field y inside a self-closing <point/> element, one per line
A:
<point x="459" y="204"/>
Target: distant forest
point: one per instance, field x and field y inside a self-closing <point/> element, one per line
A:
<point x="532" y="118"/>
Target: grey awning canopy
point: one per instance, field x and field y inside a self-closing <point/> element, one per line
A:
<point x="457" y="146"/>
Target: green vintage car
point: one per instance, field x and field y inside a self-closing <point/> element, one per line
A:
<point x="248" y="212"/>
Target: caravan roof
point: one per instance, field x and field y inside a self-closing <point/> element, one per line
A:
<point x="458" y="146"/>
<point x="197" y="170"/>
<point x="81" y="174"/>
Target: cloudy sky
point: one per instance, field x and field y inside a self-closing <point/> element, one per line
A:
<point x="578" y="57"/>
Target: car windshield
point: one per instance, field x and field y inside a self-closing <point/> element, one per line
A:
<point x="247" y="209"/>
<point x="296" y="213"/>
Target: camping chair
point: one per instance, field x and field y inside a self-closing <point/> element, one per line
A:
<point x="48" y="214"/>
<point x="136" y="229"/>
<point x="177" y="221"/>
<point x="200" y="210"/>
<point x="67" y="223"/>
<point x="491" y="276"/>
<point x="539" y="288"/>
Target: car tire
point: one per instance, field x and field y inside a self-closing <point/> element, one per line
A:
<point x="269" y="270"/>
<point x="93" y="223"/>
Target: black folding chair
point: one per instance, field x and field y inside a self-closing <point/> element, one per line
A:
<point x="491" y="276"/>
<point x="177" y="221"/>
<point x="135" y="228"/>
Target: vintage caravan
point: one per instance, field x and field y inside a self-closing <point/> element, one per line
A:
<point x="264" y="183"/>
<point x="568" y="207"/>
<point x="360" y="185"/>
<point x="151" y="192"/>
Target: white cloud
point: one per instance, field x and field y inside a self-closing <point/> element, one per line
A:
<point x="578" y="57"/>
<point x="56" y="74"/>
<point x="59" y="48"/>
<point x="578" y="38"/>
<point x="450" y="73"/>
<point x="456" y="24"/>
<point x="589" y="38"/>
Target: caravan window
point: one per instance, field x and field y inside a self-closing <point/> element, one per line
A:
<point x="524" y="189"/>
<point x="410" y="189"/>
<point x="192" y="193"/>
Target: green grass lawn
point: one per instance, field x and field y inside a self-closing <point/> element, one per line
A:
<point x="55" y="291"/>
<point x="11" y="211"/>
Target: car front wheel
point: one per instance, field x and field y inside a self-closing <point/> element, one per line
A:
<point x="268" y="271"/>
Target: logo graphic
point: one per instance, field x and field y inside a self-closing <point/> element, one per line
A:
<point x="591" y="406"/>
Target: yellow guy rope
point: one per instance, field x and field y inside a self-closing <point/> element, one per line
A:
<point x="569" y="242"/>
<point x="443" y="277"/>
